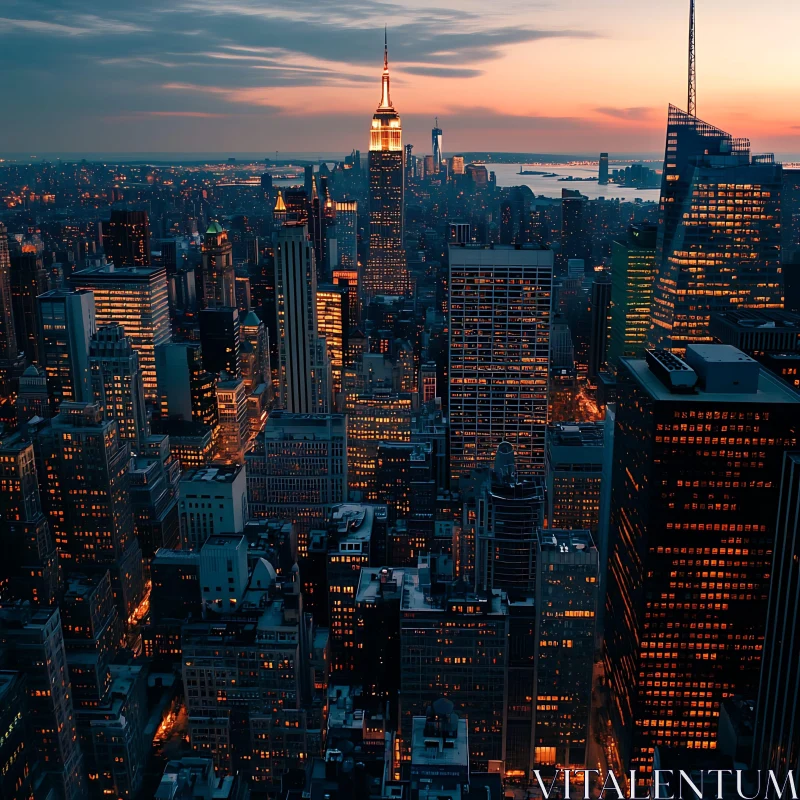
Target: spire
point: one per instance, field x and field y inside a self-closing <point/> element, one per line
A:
<point x="386" y="100"/>
<point x="691" y="107"/>
<point x="279" y="204"/>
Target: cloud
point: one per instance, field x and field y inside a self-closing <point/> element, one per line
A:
<point x="87" y="24"/>
<point x="634" y="114"/>
<point x="442" y="72"/>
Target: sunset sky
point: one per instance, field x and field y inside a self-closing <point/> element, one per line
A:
<point x="565" y="76"/>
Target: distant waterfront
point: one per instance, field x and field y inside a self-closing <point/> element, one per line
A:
<point x="508" y="175"/>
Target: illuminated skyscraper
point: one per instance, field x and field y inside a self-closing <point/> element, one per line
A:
<point x="698" y="451"/>
<point x="347" y="234"/>
<point x="632" y="276"/>
<point x="219" y="278"/>
<point x="719" y="232"/>
<point x="67" y="323"/>
<point x="499" y="354"/>
<point x="234" y="427"/>
<point x="117" y="383"/>
<point x="386" y="271"/>
<point x="349" y="279"/>
<point x="303" y="366"/>
<point x="333" y="324"/>
<point x="136" y="298"/>
<point x="126" y="238"/>
<point x="436" y="147"/>
<point x="86" y="472"/>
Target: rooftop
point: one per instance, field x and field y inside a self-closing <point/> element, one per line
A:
<point x="212" y="474"/>
<point x="576" y="434"/>
<point x="375" y="583"/>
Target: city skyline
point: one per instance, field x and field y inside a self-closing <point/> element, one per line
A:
<point x="240" y="76"/>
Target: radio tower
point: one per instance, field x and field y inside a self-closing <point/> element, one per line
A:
<point x="692" y="105"/>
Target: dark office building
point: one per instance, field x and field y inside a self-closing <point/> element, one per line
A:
<point x="698" y="452"/>
<point x="776" y="743"/>
<point x="220" y="339"/>
<point x="790" y="237"/>
<point x="126" y="238"/>
<point x="598" y="336"/>
<point x="28" y="281"/>
<point x="602" y="172"/>
<point x="575" y="236"/>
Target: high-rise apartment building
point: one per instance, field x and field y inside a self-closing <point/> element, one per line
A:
<point x="632" y="277"/>
<point x="126" y="238"/>
<point x="500" y="305"/>
<point x="117" y="383"/>
<point x="698" y="451"/>
<point x="574" y="475"/>
<point x="302" y="362"/>
<point x="386" y="270"/>
<point x="576" y="238"/>
<point x="219" y="278"/>
<point x="136" y="298"/>
<point x="719" y="236"/>
<point x="67" y="324"/>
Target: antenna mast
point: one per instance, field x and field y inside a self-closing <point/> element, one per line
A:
<point x="692" y="105"/>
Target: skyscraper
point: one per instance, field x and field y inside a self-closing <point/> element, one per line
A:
<point x="117" y="383"/>
<point x="219" y="278"/>
<point x="436" y="147"/>
<point x="28" y="281"/>
<point x="302" y="362"/>
<point x="220" y="339"/>
<point x="297" y="470"/>
<point x="602" y="173"/>
<point x="347" y="234"/>
<point x="185" y="387"/>
<point x="386" y="271"/>
<point x="333" y="323"/>
<point x="598" y="335"/>
<point x="776" y="741"/>
<point x="719" y="232"/>
<point x="698" y="450"/>
<point x="500" y="300"/>
<point x="136" y="298"/>
<point x="506" y="535"/>
<point x="88" y="499"/>
<point x="575" y="236"/>
<point x="574" y="475"/>
<point x="632" y="277"/>
<point x="126" y="238"/>
<point x="67" y="323"/>
<point x="8" y="334"/>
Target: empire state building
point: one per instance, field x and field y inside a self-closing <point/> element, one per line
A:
<point x="386" y="271"/>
